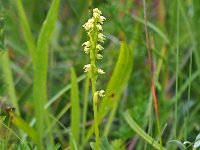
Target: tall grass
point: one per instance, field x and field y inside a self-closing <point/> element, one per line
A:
<point x="177" y="69"/>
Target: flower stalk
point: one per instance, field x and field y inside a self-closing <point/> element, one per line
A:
<point x="92" y="47"/>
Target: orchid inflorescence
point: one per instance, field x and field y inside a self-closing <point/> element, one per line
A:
<point x="92" y="47"/>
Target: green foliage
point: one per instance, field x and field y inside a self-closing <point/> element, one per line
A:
<point x="42" y="40"/>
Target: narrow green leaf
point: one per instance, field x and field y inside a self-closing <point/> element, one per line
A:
<point x="21" y="124"/>
<point x="140" y="131"/>
<point x="28" y="37"/>
<point x="41" y="66"/>
<point x="116" y="84"/>
<point x="2" y="34"/>
<point x="118" y="80"/>
<point x="75" y="111"/>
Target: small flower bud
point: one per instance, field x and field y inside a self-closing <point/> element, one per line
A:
<point x="99" y="27"/>
<point x="87" y="44"/>
<point x="101" y="93"/>
<point x="89" y="24"/>
<point x="101" y="19"/>
<point x="87" y="68"/>
<point x="87" y="50"/>
<point x="96" y="15"/>
<point x="99" y="47"/>
<point x="100" y="71"/>
<point x="101" y="37"/>
<point x="99" y="56"/>
<point x="96" y="10"/>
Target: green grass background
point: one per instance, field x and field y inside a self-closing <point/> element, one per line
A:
<point x="53" y="102"/>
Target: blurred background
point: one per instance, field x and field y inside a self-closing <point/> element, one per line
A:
<point x="124" y="22"/>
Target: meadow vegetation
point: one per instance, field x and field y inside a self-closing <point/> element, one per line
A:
<point x="99" y="74"/>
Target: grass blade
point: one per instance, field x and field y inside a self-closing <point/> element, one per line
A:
<point x="8" y="80"/>
<point x="28" y="37"/>
<point x="153" y="27"/>
<point x="21" y="124"/>
<point x="75" y="112"/>
<point x="85" y="106"/>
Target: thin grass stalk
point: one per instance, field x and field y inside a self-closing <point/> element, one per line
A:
<point x="85" y="106"/>
<point x="28" y="37"/>
<point x="8" y="79"/>
<point x="188" y="101"/>
<point x="177" y="68"/>
<point x="151" y="76"/>
<point x="110" y="120"/>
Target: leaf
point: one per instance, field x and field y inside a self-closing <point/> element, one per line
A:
<point x="118" y="80"/>
<point x="116" y="84"/>
<point x="23" y="125"/>
<point x="41" y="66"/>
<point x="178" y="144"/>
<point x="75" y="111"/>
<point x="197" y="141"/>
<point x="141" y="132"/>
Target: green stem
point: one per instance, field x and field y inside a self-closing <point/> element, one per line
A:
<point x="95" y="102"/>
<point x="110" y="120"/>
<point x="188" y="101"/>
